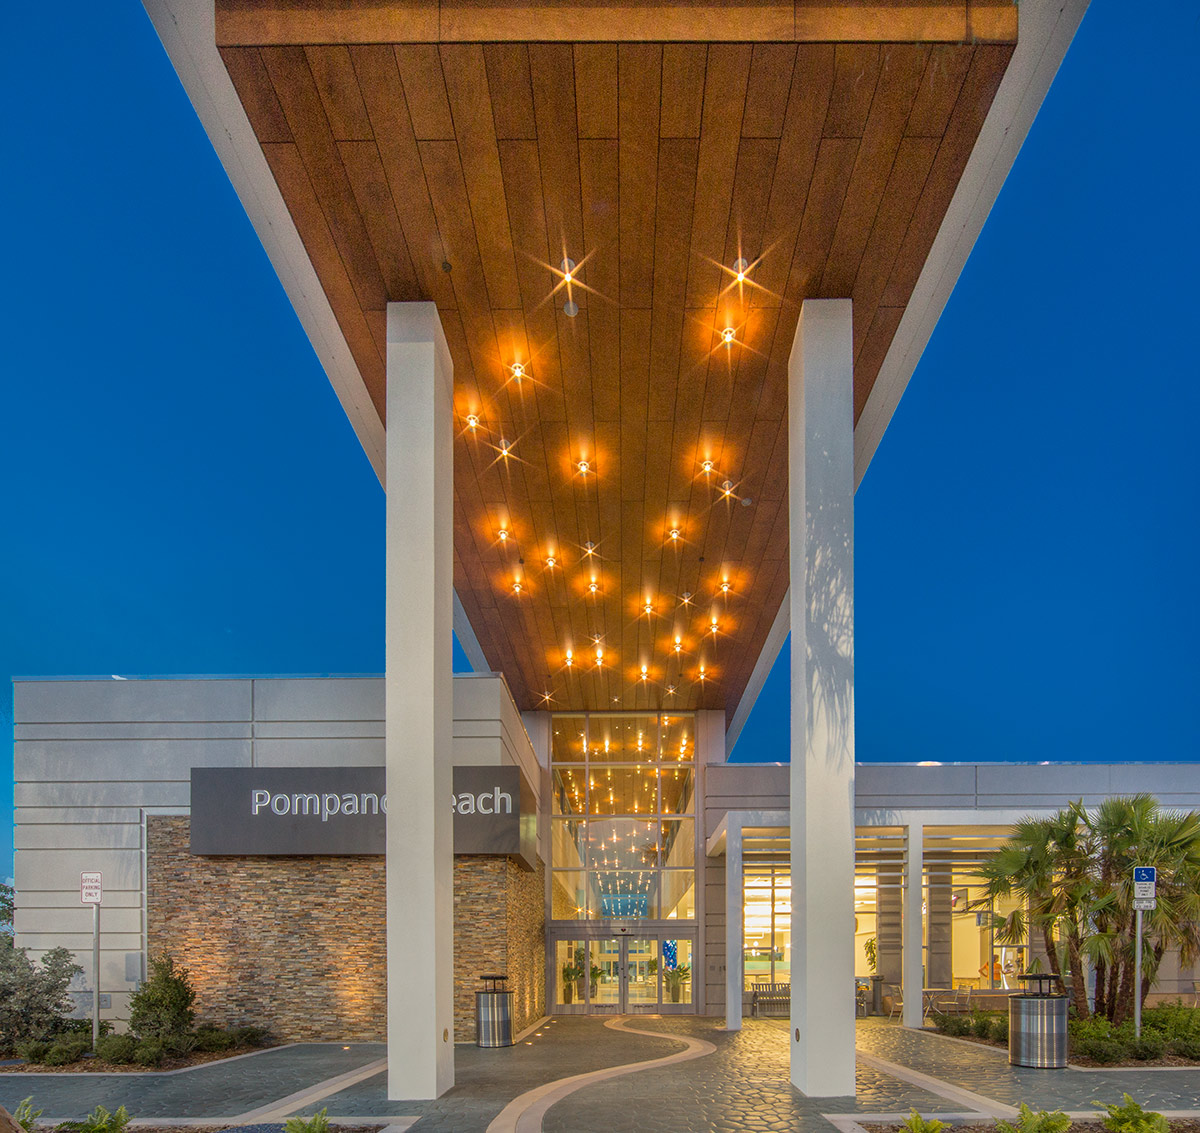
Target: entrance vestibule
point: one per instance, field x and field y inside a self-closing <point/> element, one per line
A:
<point x="621" y="972"/>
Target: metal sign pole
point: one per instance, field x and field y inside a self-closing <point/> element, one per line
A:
<point x="1137" y="979"/>
<point x="95" y="973"/>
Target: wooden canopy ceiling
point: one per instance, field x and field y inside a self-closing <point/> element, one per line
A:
<point x="466" y="172"/>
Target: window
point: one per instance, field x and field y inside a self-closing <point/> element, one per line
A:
<point x="623" y="832"/>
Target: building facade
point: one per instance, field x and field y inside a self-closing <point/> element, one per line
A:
<point x="660" y="882"/>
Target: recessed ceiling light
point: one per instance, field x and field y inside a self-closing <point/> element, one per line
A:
<point x="517" y="586"/>
<point x="728" y="335"/>
<point x="584" y="467"/>
<point x="551" y="561"/>
<point x="674" y="533"/>
<point x="570" y="308"/>
<point x="505" y="448"/>
<point x="713" y="625"/>
<point x="740" y="268"/>
<point x="503" y="534"/>
<point x="592" y="586"/>
<point x="670" y="690"/>
<point x="568" y="267"/>
<point x="701" y="677"/>
<point x="518" y="370"/>
<point x="648" y="608"/>
<point x="707" y="466"/>
<point x="687" y="597"/>
<point x="589" y="548"/>
<point x="678" y="645"/>
<point x="727" y="487"/>
<point x="645" y="674"/>
<point x="724" y="587"/>
<point x="570" y="658"/>
<point x="472" y="420"/>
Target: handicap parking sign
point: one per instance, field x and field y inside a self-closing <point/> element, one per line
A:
<point x="1145" y="873"/>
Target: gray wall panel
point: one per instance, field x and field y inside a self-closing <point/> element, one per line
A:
<point x="318" y="698"/>
<point x="133" y="730"/>
<point x="43" y="702"/>
<point x="318" y="753"/>
<point x="166" y="792"/>
<point x="117" y="760"/>
<point x="70" y="836"/>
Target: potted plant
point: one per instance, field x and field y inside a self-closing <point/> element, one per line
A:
<point x="597" y="972"/>
<point x="675" y="979"/>
<point x="570" y="974"/>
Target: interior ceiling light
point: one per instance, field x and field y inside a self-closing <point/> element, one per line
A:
<point x="678" y="645"/>
<point x="673" y="533"/>
<point x="687" y="597"/>
<point x="503" y="534"/>
<point x="570" y="659"/>
<point x="648" y="608"/>
<point x="589" y="548"/>
<point x="505" y="448"/>
<point x="713" y="625"/>
<point x="592" y="586"/>
<point x="583" y="467"/>
<point x="728" y="335"/>
<point x="517" y="586"/>
<point x="472" y="420"/>
<point x="707" y="466"/>
<point x="727" y="487"/>
<point x="568" y="266"/>
<point x="670" y="690"/>
<point x="740" y="268"/>
<point x="570" y="308"/>
<point x="518" y="370"/>
<point x="551" y="561"/>
<point x="645" y="674"/>
<point x="724" y="587"/>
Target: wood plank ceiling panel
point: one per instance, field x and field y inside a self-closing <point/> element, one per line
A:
<point x="466" y="173"/>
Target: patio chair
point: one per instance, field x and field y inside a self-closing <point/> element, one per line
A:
<point x="896" y="997"/>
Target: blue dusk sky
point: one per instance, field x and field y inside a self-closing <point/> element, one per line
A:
<point x="185" y="496"/>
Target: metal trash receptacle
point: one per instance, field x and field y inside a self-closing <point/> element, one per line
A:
<point x="493" y="1013"/>
<point x="1037" y="1029"/>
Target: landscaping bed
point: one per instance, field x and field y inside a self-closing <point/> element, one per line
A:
<point x="1176" y="1125"/>
<point x="97" y="1065"/>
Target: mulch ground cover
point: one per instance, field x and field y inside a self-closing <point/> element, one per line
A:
<point x="1181" y="1125"/>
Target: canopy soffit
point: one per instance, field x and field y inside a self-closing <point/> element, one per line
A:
<point x="465" y="172"/>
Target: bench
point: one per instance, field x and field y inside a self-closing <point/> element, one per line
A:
<point x="771" y="999"/>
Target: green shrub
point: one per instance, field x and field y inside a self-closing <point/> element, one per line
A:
<point x="99" y="1121"/>
<point x="1173" y="1021"/>
<point x="1131" y="1118"/>
<point x="181" y="1044"/>
<point x="999" y="1029"/>
<point x="117" y="1048"/>
<point x="981" y="1024"/>
<point x="81" y="1027"/>
<point x="33" y="997"/>
<point x="1150" y="1045"/>
<point x="150" y="1052"/>
<point x="955" y="1025"/>
<point x="1186" y="1048"/>
<point x="67" y="1049"/>
<point x="1040" y="1121"/>
<point x="915" y="1124"/>
<point x="164" y="1004"/>
<point x="319" y="1123"/>
<point x="1102" y="1050"/>
<point x="34" y="1050"/>
<point x="25" y="1115"/>
<point x="249" y="1036"/>
<point x="212" y="1039"/>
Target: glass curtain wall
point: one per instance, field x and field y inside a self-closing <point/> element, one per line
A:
<point x="623" y="827"/>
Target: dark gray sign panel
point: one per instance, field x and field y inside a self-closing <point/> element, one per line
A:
<point x="293" y="811"/>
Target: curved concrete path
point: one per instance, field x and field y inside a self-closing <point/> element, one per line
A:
<point x="525" y="1112"/>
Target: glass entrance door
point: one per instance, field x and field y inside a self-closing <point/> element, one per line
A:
<point x="625" y="975"/>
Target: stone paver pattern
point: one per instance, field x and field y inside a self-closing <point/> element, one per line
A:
<point x="217" y="1090"/>
<point x="986" y="1071"/>
<point x="743" y="1087"/>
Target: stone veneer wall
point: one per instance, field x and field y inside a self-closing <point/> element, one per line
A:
<point x="297" y="944"/>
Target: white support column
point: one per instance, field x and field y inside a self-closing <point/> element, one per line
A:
<point x="419" y="711"/>
<point x="821" y="531"/>
<point x="734" y="925"/>
<point x="914" y="957"/>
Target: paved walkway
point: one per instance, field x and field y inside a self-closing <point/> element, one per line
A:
<point x="696" y="1078"/>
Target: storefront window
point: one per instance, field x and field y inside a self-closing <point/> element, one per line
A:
<point x="622" y="833"/>
<point x="767" y="909"/>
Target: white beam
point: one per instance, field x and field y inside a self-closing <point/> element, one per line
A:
<point x="911" y="926"/>
<point x="821" y="534"/>
<point x="419" y="710"/>
<point x="734" y="925"/>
